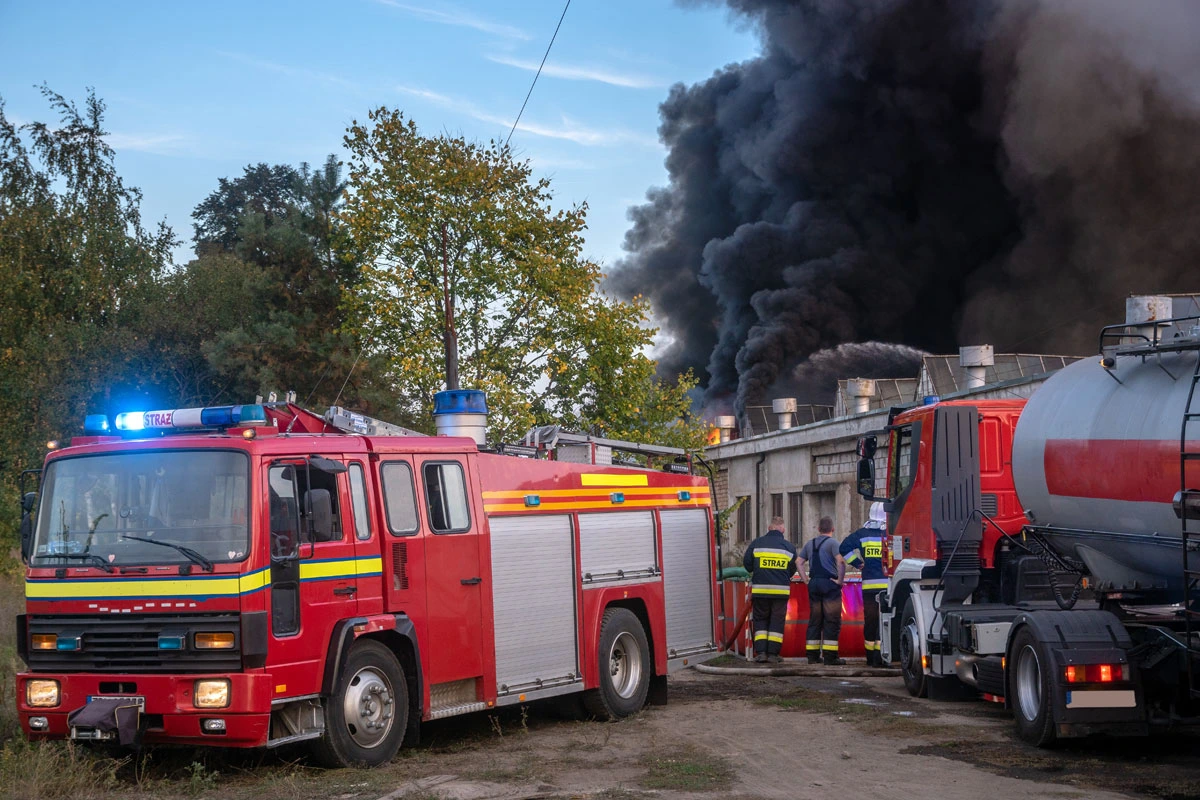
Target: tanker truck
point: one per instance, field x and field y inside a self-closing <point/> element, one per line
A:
<point x="1045" y="550"/>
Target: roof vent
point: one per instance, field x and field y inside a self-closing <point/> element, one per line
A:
<point x="860" y="390"/>
<point x="785" y="410"/>
<point x="975" y="359"/>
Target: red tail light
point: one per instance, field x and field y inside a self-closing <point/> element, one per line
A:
<point x="1096" y="673"/>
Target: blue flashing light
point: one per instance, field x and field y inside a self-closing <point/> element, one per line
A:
<point x="248" y="414"/>
<point x="67" y="642"/>
<point x="169" y="642"/>
<point x="95" y="424"/>
<point x="684" y="495"/>
<point x="930" y="399"/>
<point x="460" y="401"/>
<point x="533" y="500"/>
<point x="130" y="421"/>
<point x="217" y="417"/>
<point x="617" y="497"/>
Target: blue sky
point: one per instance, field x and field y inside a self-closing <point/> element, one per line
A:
<point x="196" y="91"/>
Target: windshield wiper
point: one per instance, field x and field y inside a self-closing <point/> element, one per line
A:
<point x="91" y="558"/>
<point x="193" y="556"/>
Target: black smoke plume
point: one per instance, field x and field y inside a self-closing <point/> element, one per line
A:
<point x="815" y="379"/>
<point x="927" y="172"/>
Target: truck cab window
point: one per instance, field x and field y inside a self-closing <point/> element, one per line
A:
<point x="399" y="498"/>
<point x="289" y="483"/>
<point x="358" y="496"/>
<point x="901" y="463"/>
<point x="446" y="497"/>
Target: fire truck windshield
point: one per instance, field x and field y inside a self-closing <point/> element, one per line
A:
<point x="120" y="507"/>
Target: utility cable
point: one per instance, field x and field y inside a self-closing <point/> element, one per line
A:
<point x="539" y="72"/>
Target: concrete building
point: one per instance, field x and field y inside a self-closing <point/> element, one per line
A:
<point x="805" y="471"/>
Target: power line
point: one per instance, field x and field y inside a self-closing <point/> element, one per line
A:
<point x="539" y="72"/>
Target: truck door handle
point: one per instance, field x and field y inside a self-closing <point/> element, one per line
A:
<point x="346" y="590"/>
<point x="470" y="581"/>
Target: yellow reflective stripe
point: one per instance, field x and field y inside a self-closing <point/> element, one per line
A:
<point x="832" y="647"/>
<point x="494" y="508"/>
<point x="101" y="588"/>
<point x="758" y="637"/>
<point x="368" y="566"/>
<point x="631" y="492"/>
<point x="774" y="637"/>
<point x="875" y="584"/>
<point x="603" y="479"/>
<point x="782" y="591"/>
<point x="338" y="568"/>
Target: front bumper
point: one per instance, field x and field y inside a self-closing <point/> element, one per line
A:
<point x="170" y="717"/>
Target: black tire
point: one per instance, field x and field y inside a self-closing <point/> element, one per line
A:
<point x="367" y="713"/>
<point x="1029" y="689"/>
<point x="625" y="667"/>
<point x="909" y="652"/>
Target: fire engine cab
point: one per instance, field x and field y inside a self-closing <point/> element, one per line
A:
<point x="257" y="575"/>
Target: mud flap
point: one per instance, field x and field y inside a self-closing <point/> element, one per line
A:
<point x="657" y="696"/>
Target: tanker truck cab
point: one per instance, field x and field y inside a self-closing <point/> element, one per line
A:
<point x="948" y="491"/>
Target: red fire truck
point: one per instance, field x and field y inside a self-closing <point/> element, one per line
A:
<point x="1042" y="547"/>
<point x="257" y="575"/>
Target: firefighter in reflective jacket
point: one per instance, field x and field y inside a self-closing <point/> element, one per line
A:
<point x="865" y="547"/>
<point x="771" y="561"/>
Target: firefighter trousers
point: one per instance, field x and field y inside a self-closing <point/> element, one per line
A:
<point x="768" y="615"/>
<point x="871" y="623"/>
<point x="824" y="618"/>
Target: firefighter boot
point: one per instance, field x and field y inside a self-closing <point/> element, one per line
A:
<point x="872" y="659"/>
<point x="814" y="656"/>
<point x="832" y="660"/>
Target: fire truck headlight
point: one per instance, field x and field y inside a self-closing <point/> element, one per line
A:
<point x="41" y="693"/>
<point x="214" y="641"/>
<point x="211" y="693"/>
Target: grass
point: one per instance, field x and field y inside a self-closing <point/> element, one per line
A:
<point x="865" y="717"/>
<point x="687" y="770"/>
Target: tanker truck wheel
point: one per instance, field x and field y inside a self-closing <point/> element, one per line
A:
<point x="625" y="667"/>
<point x="910" y="652"/>
<point x="1029" y="689"/>
<point x="367" y="713"/>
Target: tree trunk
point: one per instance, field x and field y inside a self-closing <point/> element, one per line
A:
<point x="449" y="335"/>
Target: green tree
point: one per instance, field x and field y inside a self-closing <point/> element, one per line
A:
<point x="270" y="244"/>
<point x="76" y="260"/>
<point x="467" y="269"/>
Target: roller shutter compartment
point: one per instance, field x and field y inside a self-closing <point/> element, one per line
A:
<point x="617" y="546"/>
<point x="533" y="597"/>
<point x="687" y="577"/>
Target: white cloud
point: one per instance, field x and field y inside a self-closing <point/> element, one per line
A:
<point x="567" y="129"/>
<point x="448" y="15"/>
<point x="291" y="71"/>
<point x="162" y="144"/>
<point x="581" y="73"/>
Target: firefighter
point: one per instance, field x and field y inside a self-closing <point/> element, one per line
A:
<point x="771" y="561"/>
<point x="824" y="580"/>
<point x="865" y="545"/>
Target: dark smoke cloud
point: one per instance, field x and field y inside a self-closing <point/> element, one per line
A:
<point x="815" y="380"/>
<point x="925" y="172"/>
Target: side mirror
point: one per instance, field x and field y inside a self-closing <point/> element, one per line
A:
<point x="28" y="501"/>
<point x="867" y="445"/>
<point x="318" y="509"/>
<point x="866" y="477"/>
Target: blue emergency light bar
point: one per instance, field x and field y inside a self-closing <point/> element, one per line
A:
<point x="183" y="418"/>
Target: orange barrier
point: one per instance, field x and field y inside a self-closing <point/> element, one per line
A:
<point x="737" y="601"/>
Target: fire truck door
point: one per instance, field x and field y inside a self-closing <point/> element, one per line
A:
<point x="454" y="582"/>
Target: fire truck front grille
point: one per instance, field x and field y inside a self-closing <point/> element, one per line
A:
<point x="130" y="643"/>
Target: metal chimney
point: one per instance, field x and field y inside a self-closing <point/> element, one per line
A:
<point x="1145" y="311"/>
<point x="975" y="359"/>
<point x="785" y="409"/>
<point x="726" y="426"/>
<point x="860" y="391"/>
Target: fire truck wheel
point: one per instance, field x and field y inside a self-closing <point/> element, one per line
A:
<point x="910" y="652"/>
<point x="367" y="713"/>
<point x="1029" y="689"/>
<point x="624" y="667"/>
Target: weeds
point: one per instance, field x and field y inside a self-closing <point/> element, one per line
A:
<point x="688" y="770"/>
<point x="200" y="778"/>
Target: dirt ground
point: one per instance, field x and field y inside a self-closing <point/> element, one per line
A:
<point x="720" y="736"/>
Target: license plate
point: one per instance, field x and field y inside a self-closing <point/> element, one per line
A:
<point x="1120" y="698"/>
<point x="140" y="702"/>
